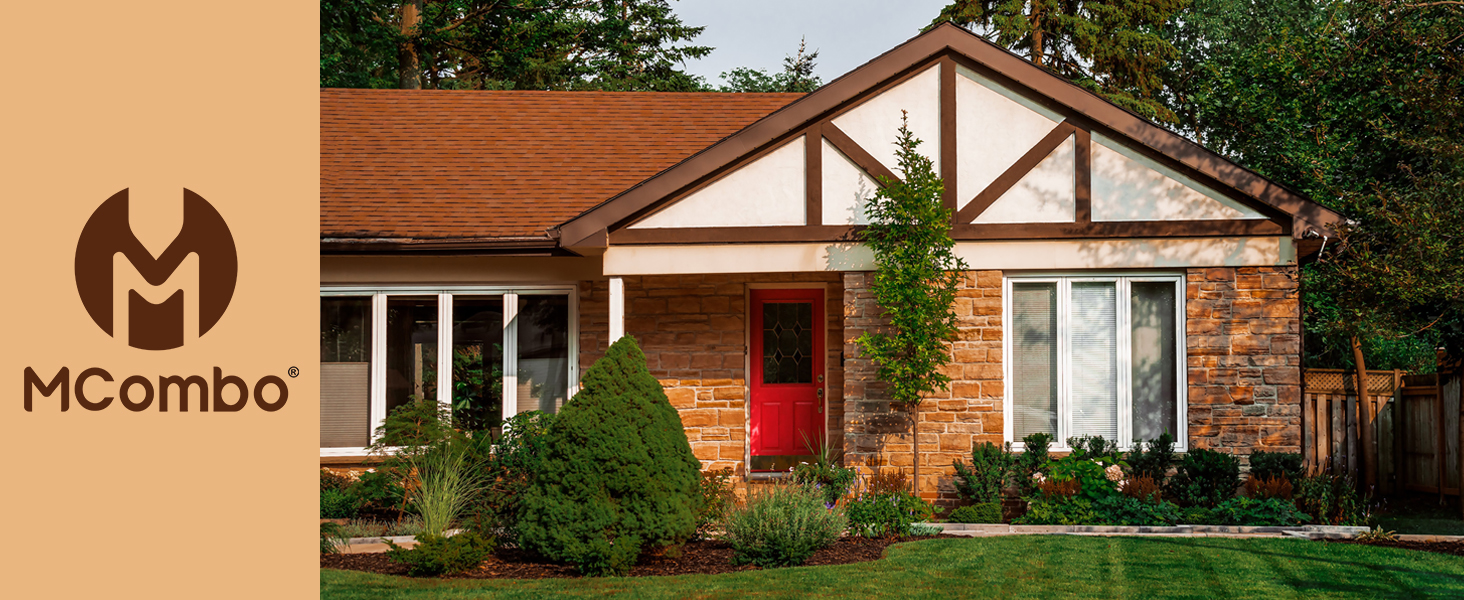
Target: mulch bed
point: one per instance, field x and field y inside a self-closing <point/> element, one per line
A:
<point x="701" y="557"/>
<point x="1454" y="548"/>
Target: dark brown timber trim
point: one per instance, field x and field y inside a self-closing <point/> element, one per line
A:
<point x="734" y="235"/>
<point x="1013" y="174"/>
<point x="948" y="165"/>
<point x="1117" y="229"/>
<point x="856" y="153"/>
<point x="1083" y="174"/>
<point x="813" y="174"/>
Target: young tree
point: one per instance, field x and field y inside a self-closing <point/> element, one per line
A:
<point x="797" y="76"/>
<point x="1114" y="49"/>
<point x="915" y="279"/>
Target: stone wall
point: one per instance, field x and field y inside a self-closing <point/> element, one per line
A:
<point x="970" y="412"/>
<point x="693" y="329"/>
<point x="1243" y="329"/>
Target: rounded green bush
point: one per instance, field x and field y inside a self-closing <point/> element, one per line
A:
<point x="783" y="526"/>
<point x="985" y="512"/>
<point x="617" y="476"/>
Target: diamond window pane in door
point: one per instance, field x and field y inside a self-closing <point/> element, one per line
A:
<point x="787" y="342"/>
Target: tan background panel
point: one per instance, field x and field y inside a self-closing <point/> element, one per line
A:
<point x="219" y="98"/>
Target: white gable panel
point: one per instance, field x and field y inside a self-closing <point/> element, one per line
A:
<point x="1128" y="186"/>
<point x="994" y="127"/>
<point x="767" y="191"/>
<point x="875" y="124"/>
<point x="1046" y="194"/>
<point x="846" y="189"/>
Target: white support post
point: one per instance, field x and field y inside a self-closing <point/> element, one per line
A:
<point x="510" y="355"/>
<point x="444" y="350"/>
<point x="617" y="308"/>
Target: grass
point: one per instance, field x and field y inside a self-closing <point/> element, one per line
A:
<point x="1047" y="567"/>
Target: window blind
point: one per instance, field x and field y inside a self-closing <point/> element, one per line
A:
<point x="1034" y="364"/>
<point x="1093" y="334"/>
<point x="1154" y="368"/>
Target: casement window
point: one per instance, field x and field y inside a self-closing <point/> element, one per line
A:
<point x="512" y="351"/>
<point x="1094" y="355"/>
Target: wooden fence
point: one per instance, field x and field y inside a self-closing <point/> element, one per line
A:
<point x="1416" y="428"/>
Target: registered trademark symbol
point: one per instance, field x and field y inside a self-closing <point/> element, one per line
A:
<point x="294" y="372"/>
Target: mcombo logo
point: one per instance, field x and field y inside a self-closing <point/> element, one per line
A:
<point x="156" y="326"/>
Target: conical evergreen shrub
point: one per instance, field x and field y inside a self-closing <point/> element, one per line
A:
<point x="619" y="475"/>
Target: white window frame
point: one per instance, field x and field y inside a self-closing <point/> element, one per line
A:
<point x="445" y="295"/>
<point x="1121" y="281"/>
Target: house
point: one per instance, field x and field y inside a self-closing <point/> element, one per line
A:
<point x="1126" y="282"/>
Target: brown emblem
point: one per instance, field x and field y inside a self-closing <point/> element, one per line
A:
<point x="156" y="326"/>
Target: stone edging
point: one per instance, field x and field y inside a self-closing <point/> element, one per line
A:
<point x="1302" y="531"/>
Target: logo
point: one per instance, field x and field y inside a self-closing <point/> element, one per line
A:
<point x="156" y="326"/>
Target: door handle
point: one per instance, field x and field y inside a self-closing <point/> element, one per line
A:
<point x="819" y="404"/>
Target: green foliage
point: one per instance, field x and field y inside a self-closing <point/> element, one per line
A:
<point x="1268" y="465"/>
<point x="1032" y="461"/>
<point x="1054" y="512"/>
<point x="407" y="525"/>
<point x="508" y="468"/>
<point x="332" y="537"/>
<point x="1114" y="49"/>
<point x="1251" y="512"/>
<point x="379" y="491"/>
<point x="991" y="468"/>
<point x="1206" y="478"/>
<point x="628" y="45"/>
<point x="617" y="475"/>
<point x="915" y="278"/>
<point x="886" y="514"/>
<point x="437" y="555"/>
<point x="477" y="387"/>
<point x="330" y="480"/>
<point x="1124" y="510"/>
<point x="782" y="526"/>
<point x="797" y="76"/>
<point x="717" y="497"/>
<point x="415" y="423"/>
<point x="985" y="512"/>
<point x="1331" y="500"/>
<point x="1154" y="459"/>
<point x="1356" y="104"/>
<point x="1097" y="477"/>
<point x="338" y="504"/>
<point x="1197" y="515"/>
<point x="824" y="473"/>
<point x="1093" y="447"/>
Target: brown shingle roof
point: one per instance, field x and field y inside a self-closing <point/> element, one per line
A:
<point x="460" y="164"/>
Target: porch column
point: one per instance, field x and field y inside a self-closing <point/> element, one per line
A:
<point x="617" y="308"/>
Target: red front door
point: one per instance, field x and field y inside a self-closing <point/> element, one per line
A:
<point x="787" y="382"/>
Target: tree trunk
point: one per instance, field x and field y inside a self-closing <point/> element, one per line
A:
<point x="410" y="71"/>
<point x="1036" y="22"/>
<point x="1365" y="419"/>
<point x="915" y="444"/>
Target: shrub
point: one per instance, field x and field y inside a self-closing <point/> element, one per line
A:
<point x="407" y="525"/>
<point x="882" y="512"/>
<point x="338" y="504"/>
<point x="717" y="497"/>
<point x="990" y="468"/>
<point x="1152" y="460"/>
<point x="617" y="476"/>
<point x="889" y="482"/>
<point x="1270" y="465"/>
<point x="378" y="491"/>
<point x="825" y="473"/>
<point x="782" y="526"/>
<point x="1098" y="477"/>
<point x="1206" y="478"/>
<point x="1123" y="510"/>
<point x="1197" y="515"/>
<point x="1047" y="512"/>
<point x="507" y="468"/>
<point x="437" y="555"/>
<point x="986" y="512"/>
<point x="330" y="480"/>
<point x="925" y="529"/>
<point x="1032" y="460"/>
<point x="1271" y="487"/>
<point x="1142" y="488"/>
<point x="1331" y="500"/>
<point x="416" y="423"/>
<point x="1272" y="512"/>
<point x="1093" y="447"/>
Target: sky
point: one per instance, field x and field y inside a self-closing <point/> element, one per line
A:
<point x="759" y="33"/>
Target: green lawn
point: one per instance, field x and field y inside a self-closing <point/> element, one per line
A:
<point x="1043" y="567"/>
